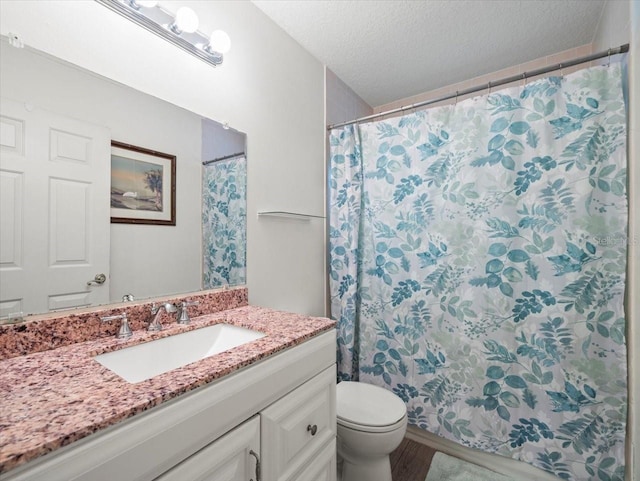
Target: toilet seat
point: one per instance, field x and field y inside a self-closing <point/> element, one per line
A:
<point x="369" y="408"/>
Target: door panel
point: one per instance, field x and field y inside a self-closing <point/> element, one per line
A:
<point x="226" y="459"/>
<point x="56" y="219"/>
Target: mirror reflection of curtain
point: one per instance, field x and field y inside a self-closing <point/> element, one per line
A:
<point x="224" y="201"/>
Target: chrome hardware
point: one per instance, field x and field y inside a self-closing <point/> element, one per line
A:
<point x="312" y="429"/>
<point x="98" y="279"/>
<point x="128" y="298"/>
<point x="155" y="325"/>
<point x="183" y="317"/>
<point x="255" y="455"/>
<point x="125" y="329"/>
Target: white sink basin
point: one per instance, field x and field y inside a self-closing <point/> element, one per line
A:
<point x="144" y="361"/>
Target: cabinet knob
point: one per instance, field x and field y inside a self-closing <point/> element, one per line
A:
<point x="313" y="429"/>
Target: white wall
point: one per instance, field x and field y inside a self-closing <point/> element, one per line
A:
<point x="614" y="26"/>
<point x="342" y="103"/>
<point x="219" y="142"/>
<point x="139" y="261"/>
<point x="268" y="87"/>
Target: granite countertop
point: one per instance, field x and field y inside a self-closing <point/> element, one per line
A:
<point x="55" y="397"/>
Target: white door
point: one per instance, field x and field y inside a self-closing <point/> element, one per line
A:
<point x="232" y="457"/>
<point x="54" y="211"/>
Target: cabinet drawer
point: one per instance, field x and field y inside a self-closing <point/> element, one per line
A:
<point x="295" y="428"/>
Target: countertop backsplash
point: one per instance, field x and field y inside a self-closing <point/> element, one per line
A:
<point x="53" y="330"/>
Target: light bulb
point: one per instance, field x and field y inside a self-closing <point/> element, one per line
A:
<point x="186" y="20"/>
<point x="147" y="3"/>
<point x="220" y="41"/>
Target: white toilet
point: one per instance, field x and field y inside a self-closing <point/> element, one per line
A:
<point x="371" y="423"/>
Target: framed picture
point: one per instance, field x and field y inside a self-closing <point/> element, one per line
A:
<point x="143" y="186"/>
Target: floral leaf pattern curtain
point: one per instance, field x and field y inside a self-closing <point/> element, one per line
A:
<point x="478" y="256"/>
<point x="224" y="221"/>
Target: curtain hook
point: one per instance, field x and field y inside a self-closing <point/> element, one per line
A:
<point x="456" y="101"/>
<point x="524" y="79"/>
<point x="489" y="87"/>
<point x="609" y="58"/>
<point x="561" y="71"/>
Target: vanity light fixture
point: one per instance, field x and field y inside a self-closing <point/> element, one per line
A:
<point x="181" y="29"/>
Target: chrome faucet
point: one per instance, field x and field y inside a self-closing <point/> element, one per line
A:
<point x="183" y="316"/>
<point x="125" y="329"/>
<point x="155" y="325"/>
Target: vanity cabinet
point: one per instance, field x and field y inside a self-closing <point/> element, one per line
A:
<point x="297" y="427"/>
<point x="233" y="457"/>
<point x="281" y="408"/>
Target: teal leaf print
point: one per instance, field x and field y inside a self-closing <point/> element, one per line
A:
<point x="437" y="391"/>
<point x="514" y="147"/>
<point x="529" y="430"/>
<point x="532" y="138"/>
<point x="429" y="364"/>
<point x="500" y="124"/>
<point x="404" y="291"/>
<point x="533" y="172"/>
<point x="580" y="433"/>
<point x="430" y="257"/>
<point x="585" y="149"/>
<point x="519" y="128"/>
<point x="502" y="103"/>
<point x="532" y="270"/>
<point x="473" y="241"/>
<point x="532" y="303"/>
<point x="573" y="260"/>
<point x="500" y="228"/>
<point x="498" y="352"/>
<point x="387" y="130"/>
<point x="551" y="461"/>
<point x="495" y="372"/>
<point x="529" y="398"/>
<point x="572" y="399"/>
<point x="518" y="255"/>
<point x="406" y="187"/>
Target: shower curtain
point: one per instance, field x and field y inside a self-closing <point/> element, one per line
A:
<point x="224" y="221"/>
<point x="477" y="269"/>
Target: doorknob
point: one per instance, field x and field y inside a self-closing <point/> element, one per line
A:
<point x="98" y="279"/>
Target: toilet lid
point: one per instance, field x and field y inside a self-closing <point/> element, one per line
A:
<point x="368" y="405"/>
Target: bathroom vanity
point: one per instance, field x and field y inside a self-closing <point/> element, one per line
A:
<point x="261" y="411"/>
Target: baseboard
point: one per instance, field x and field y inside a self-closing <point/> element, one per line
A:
<point x="509" y="467"/>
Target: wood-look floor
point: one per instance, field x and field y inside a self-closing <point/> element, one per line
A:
<point x="411" y="461"/>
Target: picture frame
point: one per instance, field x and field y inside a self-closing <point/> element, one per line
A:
<point x="143" y="185"/>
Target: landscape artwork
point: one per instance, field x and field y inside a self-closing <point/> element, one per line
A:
<point x="142" y="185"/>
<point x="135" y="184"/>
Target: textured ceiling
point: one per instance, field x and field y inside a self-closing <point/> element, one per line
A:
<point x="387" y="50"/>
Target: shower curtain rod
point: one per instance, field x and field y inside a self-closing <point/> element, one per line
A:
<point x="220" y="159"/>
<point x="523" y="76"/>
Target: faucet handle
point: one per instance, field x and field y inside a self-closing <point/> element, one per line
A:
<point x="125" y="328"/>
<point x="184" y="313"/>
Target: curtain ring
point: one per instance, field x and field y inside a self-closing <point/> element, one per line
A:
<point x="561" y="71"/>
<point x="456" y="101"/>
<point x="609" y="58"/>
<point x="489" y="87"/>
<point x="524" y="79"/>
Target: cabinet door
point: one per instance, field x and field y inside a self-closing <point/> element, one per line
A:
<point x="229" y="458"/>
<point x="323" y="467"/>
<point x="298" y="426"/>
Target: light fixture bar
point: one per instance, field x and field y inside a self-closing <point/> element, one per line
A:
<point x="158" y="22"/>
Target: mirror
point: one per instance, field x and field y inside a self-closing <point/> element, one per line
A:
<point x="58" y="122"/>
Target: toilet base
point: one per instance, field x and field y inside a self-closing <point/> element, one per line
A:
<point x="373" y="469"/>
